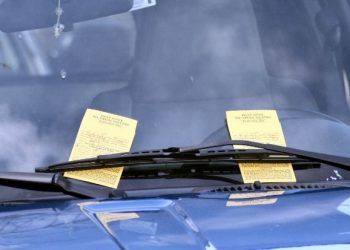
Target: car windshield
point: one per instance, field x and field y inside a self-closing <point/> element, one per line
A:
<point x="176" y="67"/>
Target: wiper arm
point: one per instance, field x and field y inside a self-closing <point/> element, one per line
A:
<point x="36" y="178"/>
<point x="52" y="182"/>
<point x="174" y="156"/>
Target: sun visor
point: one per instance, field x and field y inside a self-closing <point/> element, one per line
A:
<point x="20" y="15"/>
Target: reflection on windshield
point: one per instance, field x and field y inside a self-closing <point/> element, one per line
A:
<point x="177" y="67"/>
<point x="21" y="142"/>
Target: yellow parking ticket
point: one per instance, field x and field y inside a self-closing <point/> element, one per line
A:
<point x="102" y="133"/>
<point x="261" y="126"/>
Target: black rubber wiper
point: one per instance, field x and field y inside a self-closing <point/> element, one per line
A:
<point x="175" y="157"/>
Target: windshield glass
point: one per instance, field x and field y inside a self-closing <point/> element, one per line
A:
<point x="175" y="67"/>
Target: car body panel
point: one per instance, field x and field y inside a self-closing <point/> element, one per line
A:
<point x="195" y="221"/>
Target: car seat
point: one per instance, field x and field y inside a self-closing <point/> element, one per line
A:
<point x="298" y="39"/>
<point x="194" y="61"/>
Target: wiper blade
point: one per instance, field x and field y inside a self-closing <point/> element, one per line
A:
<point x="302" y="154"/>
<point x="172" y="157"/>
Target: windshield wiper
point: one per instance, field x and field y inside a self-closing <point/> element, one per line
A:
<point x="44" y="186"/>
<point x="73" y="188"/>
<point x="174" y="157"/>
<point x="179" y="162"/>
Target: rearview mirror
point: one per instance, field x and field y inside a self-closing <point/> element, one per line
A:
<point x="20" y="15"/>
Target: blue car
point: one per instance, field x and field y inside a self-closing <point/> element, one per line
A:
<point x="222" y="124"/>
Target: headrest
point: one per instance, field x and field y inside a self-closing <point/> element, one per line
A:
<point x="200" y="49"/>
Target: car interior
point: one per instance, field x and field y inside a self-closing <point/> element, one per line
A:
<point x="254" y="55"/>
<point x="179" y="66"/>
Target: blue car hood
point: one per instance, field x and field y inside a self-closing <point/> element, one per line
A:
<point x="256" y="220"/>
